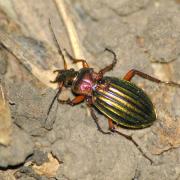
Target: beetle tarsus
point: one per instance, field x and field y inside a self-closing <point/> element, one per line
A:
<point x="113" y="53"/>
<point x="134" y="142"/>
<point x="170" y="83"/>
<point x="104" y="132"/>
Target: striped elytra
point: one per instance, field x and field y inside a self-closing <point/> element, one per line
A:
<point x="124" y="103"/>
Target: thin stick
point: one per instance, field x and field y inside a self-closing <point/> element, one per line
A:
<point x="3" y="96"/>
<point x="66" y="14"/>
<point x="26" y="58"/>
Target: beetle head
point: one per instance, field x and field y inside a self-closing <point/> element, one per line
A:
<point x="65" y="76"/>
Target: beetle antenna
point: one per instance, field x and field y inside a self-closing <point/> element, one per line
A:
<point x="57" y="44"/>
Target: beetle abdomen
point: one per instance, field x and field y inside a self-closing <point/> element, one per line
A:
<point x="124" y="103"/>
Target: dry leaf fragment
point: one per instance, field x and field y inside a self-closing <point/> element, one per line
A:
<point x="49" y="168"/>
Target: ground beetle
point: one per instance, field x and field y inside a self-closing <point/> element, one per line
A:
<point x="121" y="101"/>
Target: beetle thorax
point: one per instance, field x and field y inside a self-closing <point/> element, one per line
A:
<point x="84" y="82"/>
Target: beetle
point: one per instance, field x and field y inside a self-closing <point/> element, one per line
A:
<point x="120" y="100"/>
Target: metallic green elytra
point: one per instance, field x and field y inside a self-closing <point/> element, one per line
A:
<point x="124" y="103"/>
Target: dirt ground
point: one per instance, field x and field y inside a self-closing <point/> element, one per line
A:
<point x="68" y="146"/>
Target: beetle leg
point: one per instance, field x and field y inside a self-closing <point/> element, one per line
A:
<point x="84" y="63"/>
<point x="57" y="79"/>
<point x="76" y="100"/>
<point x="134" y="72"/>
<point x="111" y="125"/>
<point x="97" y="121"/>
<point x="90" y="101"/>
<point x="56" y="96"/>
<point x="112" y="128"/>
<point x="111" y="66"/>
<point x="60" y="84"/>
